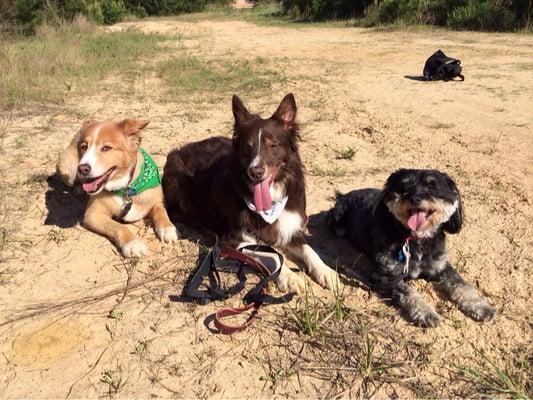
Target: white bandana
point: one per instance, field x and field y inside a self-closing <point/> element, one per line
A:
<point x="273" y="213"/>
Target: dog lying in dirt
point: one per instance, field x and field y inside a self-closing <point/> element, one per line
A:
<point x="248" y="188"/>
<point x="122" y="180"/>
<point x="402" y="228"/>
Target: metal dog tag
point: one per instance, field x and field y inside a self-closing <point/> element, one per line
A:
<point x="407" y="254"/>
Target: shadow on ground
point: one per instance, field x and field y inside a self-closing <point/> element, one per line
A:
<point x="415" y="78"/>
<point x="65" y="205"/>
<point x="338" y="253"/>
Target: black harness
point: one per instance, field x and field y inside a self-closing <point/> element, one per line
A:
<point x="226" y="259"/>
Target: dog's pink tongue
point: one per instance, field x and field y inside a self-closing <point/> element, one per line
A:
<point x="416" y="220"/>
<point x="262" y="199"/>
<point x="92" y="185"/>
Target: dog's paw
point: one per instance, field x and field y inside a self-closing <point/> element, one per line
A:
<point x="478" y="310"/>
<point x="290" y="282"/>
<point x="167" y="234"/>
<point x="134" y="248"/>
<point x="425" y="317"/>
<point x="329" y="279"/>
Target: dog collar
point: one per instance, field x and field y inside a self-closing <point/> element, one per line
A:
<point x="272" y="214"/>
<point x="148" y="178"/>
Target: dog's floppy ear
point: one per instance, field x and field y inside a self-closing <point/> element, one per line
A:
<point x="455" y="223"/>
<point x="131" y="129"/>
<point x="240" y="112"/>
<point x="286" y="112"/>
<point x="381" y="212"/>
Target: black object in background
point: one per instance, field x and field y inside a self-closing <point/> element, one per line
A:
<point x="441" y="67"/>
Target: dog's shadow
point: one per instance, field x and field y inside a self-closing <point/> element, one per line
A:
<point x="65" y="205"/>
<point x="338" y="253"/>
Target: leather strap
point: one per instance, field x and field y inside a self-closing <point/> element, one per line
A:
<point x="227" y="259"/>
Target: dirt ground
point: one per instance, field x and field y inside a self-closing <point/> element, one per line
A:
<point x="70" y="329"/>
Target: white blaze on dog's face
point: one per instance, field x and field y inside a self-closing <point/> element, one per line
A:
<point x="108" y="153"/>
<point x="264" y="145"/>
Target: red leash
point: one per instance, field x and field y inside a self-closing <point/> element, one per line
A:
<point x="231" y="260"/>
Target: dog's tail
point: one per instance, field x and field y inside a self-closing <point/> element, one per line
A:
<point x="337" y="219"/>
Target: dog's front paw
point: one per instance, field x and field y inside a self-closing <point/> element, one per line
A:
<point x="329" y="279"/>
<point x="290" y="282"/>
<point x="167" y="234"/>
<point x="478" y="310"/>
<point x="134" y="248"/>
<point x="425" y="316"/>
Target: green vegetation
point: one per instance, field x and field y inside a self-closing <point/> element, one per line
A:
<point x="512" y="380"/>
<point x="26" y="15"/>
<point x="218" y="78"/>
<point x="490" y="15"/>
<point x="45" y="67"/>
<point x="346" y="154"/>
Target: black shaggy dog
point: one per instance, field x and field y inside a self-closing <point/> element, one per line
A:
<point x="249" y="188"/>
<point x="402" y="228"/>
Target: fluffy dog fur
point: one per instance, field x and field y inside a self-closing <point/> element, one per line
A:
<point x="422" y="205"/>
<point x="207" y="184"/>
<point x="108" y="152"/>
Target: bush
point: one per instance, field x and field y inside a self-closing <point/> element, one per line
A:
<point x="488" y="16"/>
<point x="491" y="15"/>
<point x="113" y="11"/>
<point x="26" y="15"/>
<point x="494" y="15"/>
<point x="322" y="9"/>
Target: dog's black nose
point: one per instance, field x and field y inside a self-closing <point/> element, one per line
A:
<point x="84" y="169"/>
<point x="257" y="172"/>
<point x="416" y="199"/>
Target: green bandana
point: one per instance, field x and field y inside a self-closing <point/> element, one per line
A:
<point x="148" y="178"/>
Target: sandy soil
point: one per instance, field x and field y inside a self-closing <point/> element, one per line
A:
<point x="68" y="327"/>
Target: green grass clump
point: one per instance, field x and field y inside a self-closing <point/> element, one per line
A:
<point x="186" y="75"/>
<point x="512" y="380"/>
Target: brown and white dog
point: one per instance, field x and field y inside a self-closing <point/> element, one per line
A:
<point x="249" y="188"/>
<point x="106" y="158"/>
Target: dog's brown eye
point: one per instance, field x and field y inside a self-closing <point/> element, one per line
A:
<point x="83" y="147"/>
<point x="272" y="145"/>
<point x="106" y="148"/>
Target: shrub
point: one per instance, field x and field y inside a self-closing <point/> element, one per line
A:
<point x="492" y="15"/>
<point x="488" y="16"/>
<point x="113" y="11"/>
<point x="322" y="9"/>
<point x="26" y="15"/>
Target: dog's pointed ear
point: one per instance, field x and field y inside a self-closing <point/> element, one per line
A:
<point x="240" y="112"/>
<point x="131" y="129"/>
<point x="286" y="112"/>
<point x="455" y="223"/>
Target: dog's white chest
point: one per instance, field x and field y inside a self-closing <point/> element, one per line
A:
<point x="288" y="224"/>
<point x="134" y="214"/>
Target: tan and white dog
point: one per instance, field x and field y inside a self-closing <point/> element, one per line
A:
<point x="122" y="180"/>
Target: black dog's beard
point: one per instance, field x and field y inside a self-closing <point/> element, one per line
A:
<point x="437" y="212"/>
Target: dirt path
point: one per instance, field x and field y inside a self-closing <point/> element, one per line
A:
<point x="353" y="90"/>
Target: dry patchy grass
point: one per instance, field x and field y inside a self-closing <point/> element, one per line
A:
<point x="57" y="60"/>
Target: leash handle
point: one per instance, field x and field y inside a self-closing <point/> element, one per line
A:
<point x="232" y="260"/>
<point x="227" y="329"/>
